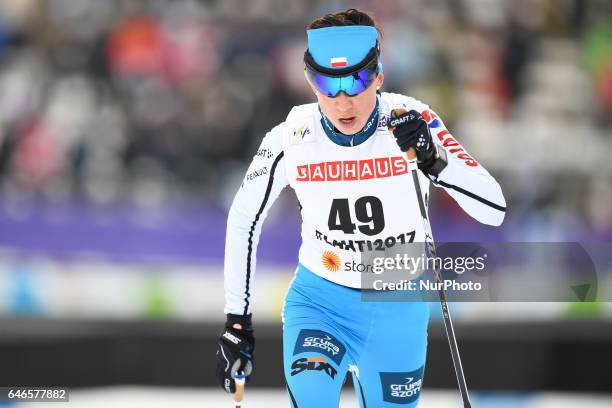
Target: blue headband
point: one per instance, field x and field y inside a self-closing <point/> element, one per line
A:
<point x="341" y="46"/>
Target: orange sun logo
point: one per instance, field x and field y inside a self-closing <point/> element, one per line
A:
<point x="331" y="261"/>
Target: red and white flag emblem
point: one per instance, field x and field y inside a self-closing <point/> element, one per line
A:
<point x="339" y="62"/>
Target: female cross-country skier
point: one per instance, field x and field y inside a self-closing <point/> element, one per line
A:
<point x="350" y="175"/>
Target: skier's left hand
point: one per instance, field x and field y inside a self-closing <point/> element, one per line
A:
<point x="411" y="131"/>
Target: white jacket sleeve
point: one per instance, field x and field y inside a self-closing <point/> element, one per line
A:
<point x="470" y="184"/>
<point x="262" y="184"/>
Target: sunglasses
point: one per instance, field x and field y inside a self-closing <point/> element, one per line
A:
<point x="352" y="81"/>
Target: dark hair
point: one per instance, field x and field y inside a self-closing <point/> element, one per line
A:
<point x="345" y="18"/>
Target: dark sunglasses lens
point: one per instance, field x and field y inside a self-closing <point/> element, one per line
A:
<point x="352" y="84"/>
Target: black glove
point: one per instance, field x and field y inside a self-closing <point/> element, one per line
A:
<point x="235" y="351"/>
<point x="411" y="131"/>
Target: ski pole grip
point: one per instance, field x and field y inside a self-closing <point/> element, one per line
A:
<point x="239" y="394"/>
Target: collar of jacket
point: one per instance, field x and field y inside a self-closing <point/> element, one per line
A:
<point x="351" y="140"/>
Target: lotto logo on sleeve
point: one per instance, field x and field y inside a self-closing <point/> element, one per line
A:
<point x="449" y="142"/>
<point x="309" y="341"/>
<point x="401" y="387"/>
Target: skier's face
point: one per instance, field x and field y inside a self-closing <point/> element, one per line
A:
<point x="349" y="114"/>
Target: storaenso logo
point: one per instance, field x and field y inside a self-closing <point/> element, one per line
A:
<point x="358" y="267"/>
<point x="331" y="261"/>
<point x="309" y="341"/>
<point x="401" y="387"/>
<point x="313" y="364"/>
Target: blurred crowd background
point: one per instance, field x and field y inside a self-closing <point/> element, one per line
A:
<point x="156" y="101"/>
<point x="126" y="127"/>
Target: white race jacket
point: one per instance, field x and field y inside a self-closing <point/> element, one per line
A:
<point x="352" y="198"/>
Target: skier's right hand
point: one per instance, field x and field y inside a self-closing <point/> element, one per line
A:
<point x="235" y="351"/>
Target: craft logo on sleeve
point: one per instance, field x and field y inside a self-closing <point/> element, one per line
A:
<point x="265" y="153"/>
<point x="309" y="341"/>
<point x="401" y="387"/>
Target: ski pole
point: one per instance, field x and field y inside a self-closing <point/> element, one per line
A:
<point x="430" y="248"/>
<point x="239" y="379"/>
